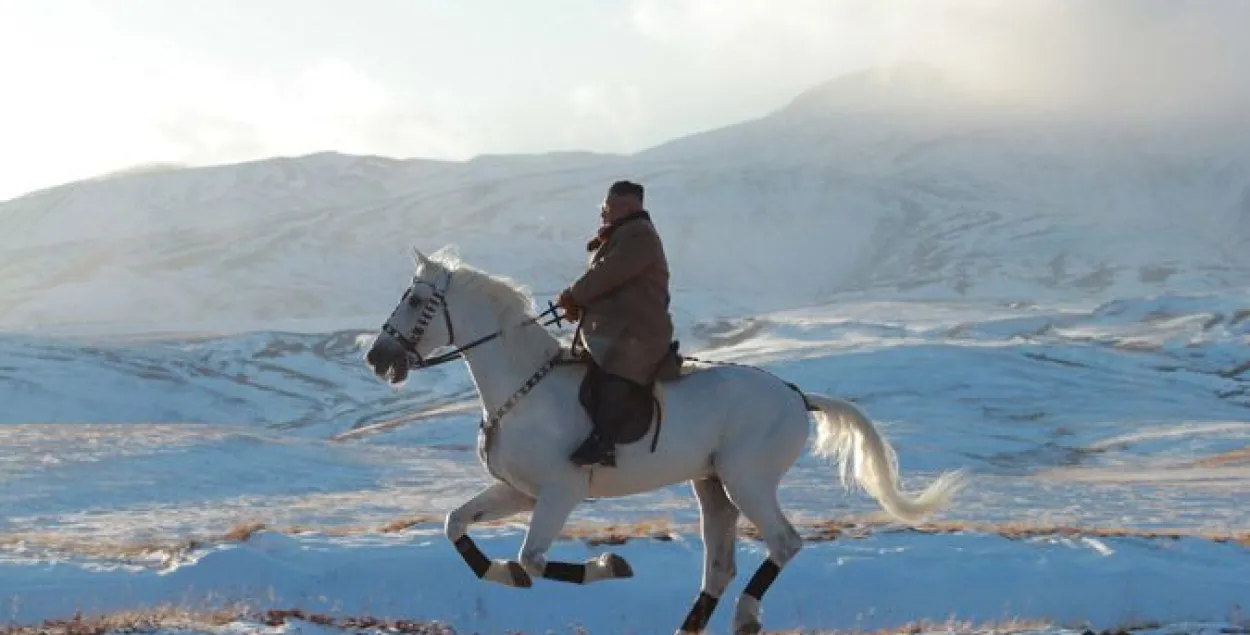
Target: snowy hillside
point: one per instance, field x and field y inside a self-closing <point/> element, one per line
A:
<point x="843" y="189"/>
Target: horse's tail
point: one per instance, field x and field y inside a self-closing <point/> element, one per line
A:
<point x="845" y="433"/>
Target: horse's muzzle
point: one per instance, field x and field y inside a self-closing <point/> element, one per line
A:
<point x="388" y="360"/>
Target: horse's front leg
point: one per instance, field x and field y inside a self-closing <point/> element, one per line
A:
<point x="493" y="503"/>
<point x="550" y="515"/>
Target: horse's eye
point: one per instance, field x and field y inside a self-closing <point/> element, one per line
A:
<point x="413" y="301"/>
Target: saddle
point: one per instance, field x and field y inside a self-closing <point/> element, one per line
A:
<point x="645" y="403"/>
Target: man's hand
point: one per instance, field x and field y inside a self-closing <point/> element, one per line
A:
<point x="572" y="312"/>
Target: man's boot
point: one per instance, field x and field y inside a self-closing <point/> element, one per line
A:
<point x="611" y="403"/>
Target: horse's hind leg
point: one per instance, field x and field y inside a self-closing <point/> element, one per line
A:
<point x="493" y="503"/>
<point x="757" y="498"/>
<point x="718" y="522"/>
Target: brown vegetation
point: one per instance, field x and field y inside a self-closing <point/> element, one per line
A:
<point x="400" y="524"/>
<point x="165" y="616"/>
<point x="949" y="626"/>
<point x="278" y="617"/>
<point x="822" y="531"/>
<point x="172" y="618"/>
<point x="830" y="530"/>
<point x="1233" y="457"/>
<point x="241" y="532"/>
<point x="162" y="554"/>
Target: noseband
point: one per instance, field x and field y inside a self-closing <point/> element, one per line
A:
<point x="410" y="340"/>
<point x="437" y="300"/>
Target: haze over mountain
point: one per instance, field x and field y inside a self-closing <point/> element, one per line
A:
<point x="899" y="183"/>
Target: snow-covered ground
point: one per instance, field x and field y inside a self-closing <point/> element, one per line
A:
<point x="876" y="582"/>
<point x="1124" y="418"/>
<point x="1060" y="309"/>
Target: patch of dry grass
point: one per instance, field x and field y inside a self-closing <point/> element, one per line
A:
<point x="160" y="554"/>
<point x="660" y="529"/>
<point x="147" y="553"/>
<point x="1016" y="625"/>
<point x="278" y="617"/>
<point x="949" y="626"/>
<point x="243" y="531"/>
<point x="175" y="618"/>
<point x="1234" y="457"/>
<point x="172" y="618"/>
<point x="137" y="621"/>
<point x="831" y="530"/>
<point x="400" y="524"/>
<point x="822" y="531"/>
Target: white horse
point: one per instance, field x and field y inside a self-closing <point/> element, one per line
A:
<point x="732" y="431"/>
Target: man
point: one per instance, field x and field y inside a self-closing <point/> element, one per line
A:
<point x="622" y="302"/>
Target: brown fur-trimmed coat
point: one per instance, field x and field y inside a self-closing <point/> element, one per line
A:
<point x="624" y="298"/>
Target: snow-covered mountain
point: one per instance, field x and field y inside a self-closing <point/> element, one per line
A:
<point x="901" y="185"/>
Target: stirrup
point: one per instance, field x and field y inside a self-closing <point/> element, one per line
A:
<point x="594" y="451"/>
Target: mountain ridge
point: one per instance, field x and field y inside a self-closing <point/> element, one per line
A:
<point x="891" y="206"/>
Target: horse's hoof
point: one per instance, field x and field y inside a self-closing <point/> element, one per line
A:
<point x="519" y="576"/>
<point x="752" y="627"/>
<point x="618" y="566"/>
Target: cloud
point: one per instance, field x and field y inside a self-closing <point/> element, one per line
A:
<point x="86" y="94"/>
<point x="1144" y="57"/>
<point x="609" y="116"/>
<point x="85" y="97"/>
<point x="747" y="36"/>
<point x="1151" y="57"/>
<point x="225" y="116"/>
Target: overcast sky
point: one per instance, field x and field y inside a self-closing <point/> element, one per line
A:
<point x="92" y="86"/>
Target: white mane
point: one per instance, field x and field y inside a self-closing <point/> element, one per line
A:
<point x="511" y="302"/>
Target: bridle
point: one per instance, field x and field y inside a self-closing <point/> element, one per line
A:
<point x="438" y="300"/>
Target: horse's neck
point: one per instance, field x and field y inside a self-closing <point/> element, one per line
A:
<point x="499" y="367"/>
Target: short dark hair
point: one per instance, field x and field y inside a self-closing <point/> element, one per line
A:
<point x="627" y="188"/>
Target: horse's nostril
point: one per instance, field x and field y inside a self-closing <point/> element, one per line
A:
<point x="372" y="357"/>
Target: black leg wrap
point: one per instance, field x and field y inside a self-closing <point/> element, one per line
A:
<point x="700" y="614"/>
<point x="472" y="555"/>
<point x="565" y="572"/>
<point x="762" y="579"/>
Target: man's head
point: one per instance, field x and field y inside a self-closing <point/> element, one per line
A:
<point x="624" y="198"/>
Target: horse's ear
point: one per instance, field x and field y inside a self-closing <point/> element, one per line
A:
<point x="418" y="258"/>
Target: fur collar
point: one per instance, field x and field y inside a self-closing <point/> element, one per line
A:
<point x="605" y="231"/>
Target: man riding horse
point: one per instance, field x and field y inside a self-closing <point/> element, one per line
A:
<point x="622" y="303"/>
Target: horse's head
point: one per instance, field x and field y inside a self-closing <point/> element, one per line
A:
<point x="419" y="324"/>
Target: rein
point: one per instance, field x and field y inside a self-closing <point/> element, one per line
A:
<point x="437" y="299"/>
<point x="459" y="351"/>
